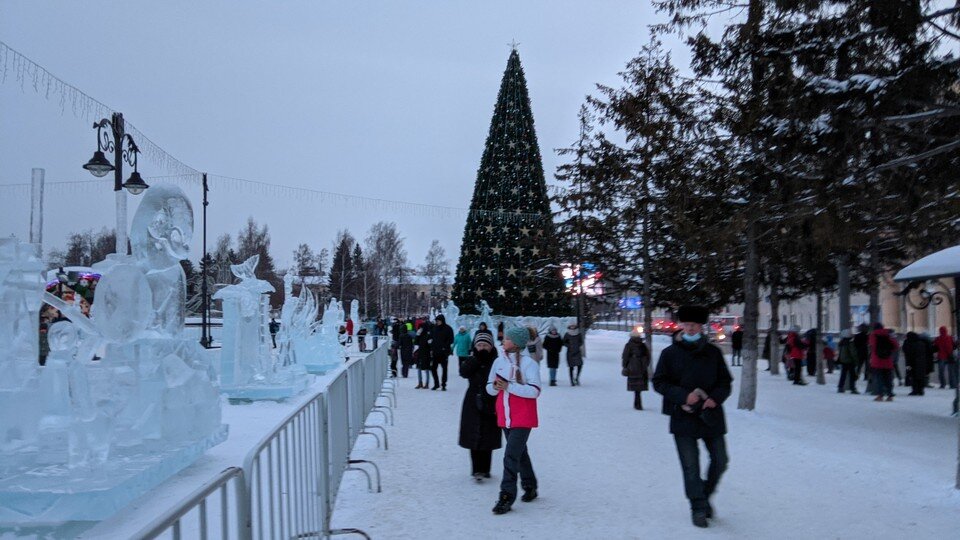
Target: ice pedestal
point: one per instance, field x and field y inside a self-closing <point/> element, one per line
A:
<point x="57" y="493"/>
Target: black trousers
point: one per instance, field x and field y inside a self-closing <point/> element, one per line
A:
<point x="637" y="401"/>
<point x="798" y="371"/>
<point x="480" y="461"/>
<point x="516" y="462"/>
<point x="575" y="377"/>
<point x="443" y="364"/>
<point x="393" y="364"/>
<point x="848" y="378"/>
<point x="697" y="489"/>
<point x="736" y="357"/>
<point x="918" y="380"/>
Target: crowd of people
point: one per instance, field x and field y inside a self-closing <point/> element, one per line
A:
<point x="876" y="354"/>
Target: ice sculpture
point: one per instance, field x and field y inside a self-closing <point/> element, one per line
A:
<point x="249" y="371"/>
<point x="83" y="438"/>
<point x="298" y="319"/>
<point x="324" y="350"/>
<point x="355" y="317"/>
<point x="451" y="314"/>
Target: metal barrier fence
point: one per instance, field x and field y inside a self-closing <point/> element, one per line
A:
<point x="229" y="525"/>
<point x="290" y="479"/>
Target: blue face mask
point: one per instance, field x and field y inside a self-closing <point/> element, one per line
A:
<point x="690" y="339"/>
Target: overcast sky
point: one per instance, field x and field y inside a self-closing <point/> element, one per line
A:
<point x="390" y="100"/>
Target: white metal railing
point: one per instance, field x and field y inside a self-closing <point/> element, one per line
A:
<point x="290" y="479"/>
<point x="216" y="494"/>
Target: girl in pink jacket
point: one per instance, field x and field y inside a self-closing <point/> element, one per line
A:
<point x="515" y="380"/>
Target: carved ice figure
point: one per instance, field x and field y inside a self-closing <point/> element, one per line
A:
<point x="325" y="351"/>
<point x="485" y="316"/>
<point x="21" y="284"/>
<point x="298" y="318"/>
<point x="451" y="313"/>
<point x="246" y="352"/>
<point x="355" y="315"/>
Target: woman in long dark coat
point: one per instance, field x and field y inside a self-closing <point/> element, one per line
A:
<point x="424" y="358"/>
<point x="479" y="432"/>
<point x="573" y="341"/>
<point x="552" y="343"/>
<point x="405" y="339"/>
<point x="636" y="365"/>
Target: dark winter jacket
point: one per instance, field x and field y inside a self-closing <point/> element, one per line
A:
<point x="552" y="343"/>
<point x="847" y="352"/>
<point x="573" y="341"/>
<point x="424" y="355"/>
<point x="406" y="347"/>
<point x="684" y="367"/>
<point x="442" y="341"/>
<point x="916" y="353"/>
<point x="736" y="340"/>
<point x="478" y="416"/>
<point x="861" y="341"/>
<point x="636" y="363"/>
<point x="811" y="340"/>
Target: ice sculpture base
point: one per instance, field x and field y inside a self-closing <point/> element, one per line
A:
<point x="266" y="392"/>
<point x="56" y="494"/>
<point x="322" y="368"/>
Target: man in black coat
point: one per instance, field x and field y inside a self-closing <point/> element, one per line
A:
<point x="442" y="346"/>
<point x="694" y="380"/>
<point x="736" y="344"/>
<point x="861" y="342"/>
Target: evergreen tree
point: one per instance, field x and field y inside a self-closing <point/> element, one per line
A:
<point x="341" y="269"/>
<point x="509" y="253"/>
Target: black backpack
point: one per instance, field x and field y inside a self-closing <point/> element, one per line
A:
<point x="884" y="346"/>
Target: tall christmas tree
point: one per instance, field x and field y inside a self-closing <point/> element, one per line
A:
<point x="509" y="251"/>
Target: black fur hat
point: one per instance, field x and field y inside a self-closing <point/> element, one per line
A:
<point x="695" y="314"/>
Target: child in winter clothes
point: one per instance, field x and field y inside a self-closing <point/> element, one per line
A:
<point x="515" y="381"/>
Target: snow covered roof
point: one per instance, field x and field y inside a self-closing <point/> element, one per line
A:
<point x="944" y="263"/>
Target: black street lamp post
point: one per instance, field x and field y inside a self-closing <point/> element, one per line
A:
<point x="124" y="149"/>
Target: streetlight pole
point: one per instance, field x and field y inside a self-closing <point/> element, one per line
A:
<point x="205" y="337"/>
<point x="124" y="149"/>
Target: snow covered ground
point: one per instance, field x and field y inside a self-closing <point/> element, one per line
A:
<point x="808" y="463"/>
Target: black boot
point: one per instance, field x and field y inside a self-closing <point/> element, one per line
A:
<point x="503" y="504"/>
<point x="700" y="519"/>
<point x="529" y="495"/>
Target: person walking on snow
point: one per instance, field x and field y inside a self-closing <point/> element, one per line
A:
<point x="636" y="364"/>
<point x="882" y="347"/>
<point x="515" y="381"/>
<point x="795" y="354"/>
<point x="442" y="342"/>
<point x="424" y="359"/>
<point x="916" y="351"/>
<point x="573" y="341"/>
<point x="736" y="344"/>
<point x="946" y="359"/>
<point x="479" y="432"/>
<point x="693" y="378"/>
<point x="552" y="344"/>
<point x="848" y="363"/>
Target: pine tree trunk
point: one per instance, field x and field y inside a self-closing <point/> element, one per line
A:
<point x="821" y="378"/>
<point x="874" y="284"/>
<point x="843" y="282"/>
<point x="647" y="305"/>
<point x="751" y="314"/>
<point x="774" y="332"/>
